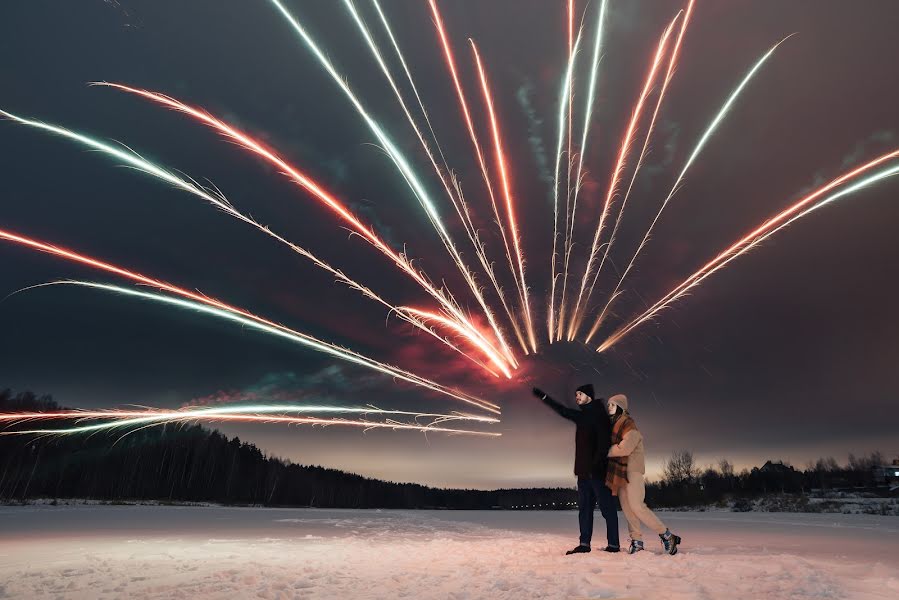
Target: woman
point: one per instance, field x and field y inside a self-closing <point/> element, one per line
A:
<point x="625" y="477"/>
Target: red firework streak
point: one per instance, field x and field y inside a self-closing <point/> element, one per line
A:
<point x="503" y="169"/>
<point x="466" y="113"/>
<point x="209" y="301"/>
<point x="474" y="335"/>
<point x="458" y="203"/>
<point x="577" y="312"/>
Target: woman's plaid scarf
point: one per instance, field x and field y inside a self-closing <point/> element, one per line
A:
<point x="616" y="474"/>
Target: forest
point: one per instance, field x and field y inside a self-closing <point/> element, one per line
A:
<point x="193" y="463"/>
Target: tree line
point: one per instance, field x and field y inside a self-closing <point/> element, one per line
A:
<point x="191" y="463"/>
<point x="195" y="464"/>
<point x="684" y="483"/>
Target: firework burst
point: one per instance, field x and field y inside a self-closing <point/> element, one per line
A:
<point x="448" y="322"/>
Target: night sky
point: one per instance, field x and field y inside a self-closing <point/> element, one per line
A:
<point x="790" y="353"/>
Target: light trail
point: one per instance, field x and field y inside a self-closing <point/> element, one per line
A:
<point x="710" y="130"/>
<point x="569" y="224"/>
<point x="488" y="267"/>
<point x="302" y="338"/>
<point x="627" y="140"/>
<point x="467" y="218"/>
<point x="768" y="228"/>
<point x="295" y="175"/>
<point x="408" y="175"/>
<point x="466" y="113"/>
<point x="247" y="319"/>
<point x="379" y="58"/>
<point x="591" y="100"/>
<point x="460" y="207"/>
<point x="268" y="419"/>
<point x="672" y="64"/>
<point x="563" y="107"/>
<point x="154" y="413"/>
<point x="402" y="59"/>
<point x="503" y="169"/>
<point x="446" y="322"/>
<point x="217" y="199"/>
<point x="120" y="418"/>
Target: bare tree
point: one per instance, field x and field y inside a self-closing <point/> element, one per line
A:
<point x="681" y="468"/>
<point x="726" y="467"/>
<point x="865" y="463"/>
<point x="827" y="465"/>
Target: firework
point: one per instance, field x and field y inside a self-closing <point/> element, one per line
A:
<point x="121" y="419"/>
<point x="576" y="313"/>
<point x="591" y="99"/>
<point x="458" y="203"/>
<point x="570" y="93"/>
<point x="409" y="77"/>
<point x="756" y="236"/>
<point x="507" y="194"/>
<point x="570" y="157"/>
<point x="563" y="107"/>
<point x="217" y="199"/>
<point x="672" y="63"/>
<point x="448" y="321"/>
<point x="239" y="409"/>
<point x="693" y="155"/>
<point x="302" y="338"/>
<point x="409" y="176"/>
<point x="297" y="176"/>
<point x="482" y="164"/>
<point x="466" y="220"/>
<point x="247" y="319"/>
<point x="376" y="53"/>
<point x="324" y="422"/>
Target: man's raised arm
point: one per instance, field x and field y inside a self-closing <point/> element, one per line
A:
<point x="568" y="413"/>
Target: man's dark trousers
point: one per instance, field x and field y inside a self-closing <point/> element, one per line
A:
<point x="589" y="491"/>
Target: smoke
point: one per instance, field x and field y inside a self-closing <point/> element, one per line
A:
<point x="879" y="140"/>
<point x="328" y="384"/>
<point x="670" y="131"/>
<point x="368" y="210"/>
<point x="524" y="96"/>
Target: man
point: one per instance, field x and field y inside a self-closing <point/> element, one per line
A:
<point x="624" y="477"/>
<point x="592" y="439"/>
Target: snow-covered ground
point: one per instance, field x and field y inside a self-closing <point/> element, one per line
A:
<point x="213" y="552"/>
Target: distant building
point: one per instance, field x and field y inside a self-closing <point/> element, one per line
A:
<point x="887" y="475"/>
<point x="777" y="467"/>
<point x="774" y="475"/>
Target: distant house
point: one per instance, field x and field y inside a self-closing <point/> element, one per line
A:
<point x="777" y="467"/>
<point x="774" y="475"/>
<point x="887" y="475"/>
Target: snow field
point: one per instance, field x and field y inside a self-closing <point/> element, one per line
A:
<point x="149" y="552"/>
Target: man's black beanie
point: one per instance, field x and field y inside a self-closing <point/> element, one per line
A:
<point x="587" y="388"/>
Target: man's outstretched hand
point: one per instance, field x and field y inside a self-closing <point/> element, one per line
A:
<point x="539" y="393"/>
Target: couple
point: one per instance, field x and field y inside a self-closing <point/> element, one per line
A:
<point x="608" y="461"/>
